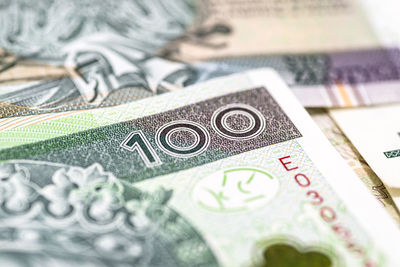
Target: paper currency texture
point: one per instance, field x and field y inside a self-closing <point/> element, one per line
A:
<point x="375" y="133"/>
<point x="332" y="53"/>
<point x="71" y="56"/>
<point x="353" y="158"/>
<point x="61" y="56"/>
<point x="232" y="172"/>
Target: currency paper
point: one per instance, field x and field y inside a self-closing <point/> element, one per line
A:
<point x="231" y="172"/>
<point x="375" y="132"/>
<point x="331" y="53"/>
<point x="99" y="71"/>
<point x="68" y="55"/>
<point x="24" y="130"/>
<point x="353" y="158"/>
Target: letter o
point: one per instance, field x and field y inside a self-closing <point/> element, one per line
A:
<point x="302" y="182"/>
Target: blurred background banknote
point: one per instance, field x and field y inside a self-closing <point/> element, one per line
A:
<point x="353" y="158"/>
<point x="331" y="52"/>
<point x="375" y="132"/>
<point x="239" y="176"/>
<point x="86" y="57"/>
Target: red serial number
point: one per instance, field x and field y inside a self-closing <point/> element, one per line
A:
<point x="327" y="213"/>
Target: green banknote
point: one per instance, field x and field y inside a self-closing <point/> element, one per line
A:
<point x="231" y="172"/>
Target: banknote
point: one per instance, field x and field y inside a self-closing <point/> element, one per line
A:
<point x="375" y="132"/>
<point x="19" y="131"/>
<point x="59" y="56"/>
<point x="233" y="28"/>
<point x="18" y="70"/>
<point x="101" y="70"/>
<point x="344" y="55"/>
<point x="353" y="158"/>
<point x="43" y="29"/>
<point x="347" y="56"/>
<point x="230" y="172"/>
<point x="24" y="130"/>
<point x="349" y="78"/>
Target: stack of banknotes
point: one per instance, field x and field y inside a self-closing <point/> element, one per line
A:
<point x="259" y="133"/>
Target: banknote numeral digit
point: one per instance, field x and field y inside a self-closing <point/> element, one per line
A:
<point x="317" y="199"/>
<point x="137" y="141"/>
<point x="327" y="214"/>
<point x="302" y="180"/>
<point x="238" y="122"/>
<point x="197" y="141"/>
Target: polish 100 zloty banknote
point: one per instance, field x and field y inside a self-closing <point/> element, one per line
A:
<point x="24" y="130"/>
<point x="231" y="172"/>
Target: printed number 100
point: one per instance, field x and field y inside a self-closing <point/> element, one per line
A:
<point x="137" y="141"/>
